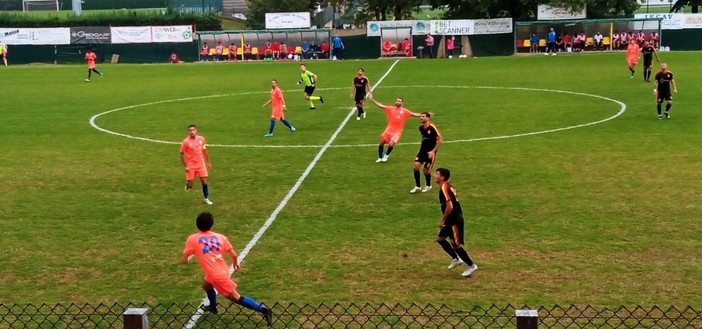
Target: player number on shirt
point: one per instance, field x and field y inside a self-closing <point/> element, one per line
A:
<point x="209" y="244"/>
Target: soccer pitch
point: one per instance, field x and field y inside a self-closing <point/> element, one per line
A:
<point x="573" y="191"/>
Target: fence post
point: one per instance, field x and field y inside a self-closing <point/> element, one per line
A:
<point x="527" y="319"/>
<point x="135" y="318"/>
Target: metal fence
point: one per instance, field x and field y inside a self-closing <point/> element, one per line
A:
<point x="339" y="315"/>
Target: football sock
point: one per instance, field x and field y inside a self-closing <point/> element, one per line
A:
<point x="314" y="98"/>
<point x="380" y="148"/>
<point x="667" y="107"/>
<point x="448" y="249"/>
<point x="89" y="73"/>
<point x="464" y="256"/>
<point x="206" y="191"/>
<point x="286" y="123"/>
<point x="658" y="107"/>
<point x="250" y="304"/>
<point x="389" y="150"/>
<point x="311" y="104"/>
<point x="416" y="178"/>
<point x="212" y="297"/>
<point x="360" y="110"/>
<point x="96" y="71"/>
<point x="427" y="177"/>
<point x="270" y="128"/>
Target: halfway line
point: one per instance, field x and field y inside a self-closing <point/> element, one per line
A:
<point x="193" y="319"/>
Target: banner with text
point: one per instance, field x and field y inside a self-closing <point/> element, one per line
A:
<point x="90" y="35"/>
<point x="36" y="36"/>
<point x="452" y="27"/>
<point x="131" y="34"/>
<point x="446" y="27"/>
<point x="548" y="13"/>
<point x="172" y="34"/>
<point x="288" y="20"/>
<point x="493" y="26"/>
<point x="676" y="21"/>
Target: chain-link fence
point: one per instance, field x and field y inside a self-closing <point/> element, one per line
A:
<point x="18" y="316"/>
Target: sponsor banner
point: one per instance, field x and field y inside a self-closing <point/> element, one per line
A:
<point x="493" y="26"/>
<point x="453" y="27"/>
<point x="36" y="36"/>
<point x="676" y="21"/>
<point x="288" y="20"/>
<point x="130" y="34"/>
<point x="418" y="27"/>
<point x="90" y="35"/>
<point x="177" y="33"/>
<point x="548" y="13"/>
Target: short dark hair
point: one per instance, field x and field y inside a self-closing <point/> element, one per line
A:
<point x="445" y="173"/>
<point x="204" y="221"/>
<point x="192" y="125"/>
<point x="362" y="70"/>
<point x="427" y="114"/>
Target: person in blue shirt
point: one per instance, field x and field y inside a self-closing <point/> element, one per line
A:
<point x="337" y="47"/>
<point x="305" y="49"/>
<point x="534" y="43"/>
<point x="551" y="41"/>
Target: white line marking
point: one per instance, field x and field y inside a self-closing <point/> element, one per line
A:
<point x="622" y="109"/>
<point x="242" y="255"/>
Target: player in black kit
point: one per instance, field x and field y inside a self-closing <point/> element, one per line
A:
<point x="648" y="52"/>
<point x="661" y="87"/>
<point x="431" y="140"/>
<point x="361" y="87"/>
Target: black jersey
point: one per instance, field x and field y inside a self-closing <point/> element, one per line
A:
<point x="361" y="83"/>
<point x="647" y="53"/>
<point x="663" y="79"/>
<point x="448" y="193"/>
<point x="430" y="136"/>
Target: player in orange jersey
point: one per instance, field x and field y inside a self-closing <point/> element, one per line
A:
<point x="194" y="156"/>
<point x="90" y="57"/>
<point x="632" y="57"/>
<point x="278" y="105"/>
<point x="397" y="115"/>
<point x="209" y="247"/>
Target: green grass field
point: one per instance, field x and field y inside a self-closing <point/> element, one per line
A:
<point x="605" y="214"/>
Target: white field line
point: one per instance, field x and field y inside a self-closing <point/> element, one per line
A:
<point x="242" y="255"/>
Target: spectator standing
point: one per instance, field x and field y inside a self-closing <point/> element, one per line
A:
<point x="551" y="43"/>
<point x="655" y="38"/>
<point x="429" y="42"/>
<point x="337" y="47"/>
<point x="450" y="45"/>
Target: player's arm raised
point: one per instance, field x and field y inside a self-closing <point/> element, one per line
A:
<point x="378" y="104"/>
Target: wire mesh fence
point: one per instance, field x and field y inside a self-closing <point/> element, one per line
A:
<point x="351" y="316"/>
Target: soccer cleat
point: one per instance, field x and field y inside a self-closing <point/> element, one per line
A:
<point x="292" y="130"/>
<point x="426" y="189"/>
<point x="469" y="271"/>
<point x="207" y="201"/>
<point x="312" y="107"/>
<point x="415" y="189"/>
<point x="87" y="80"/>
<point x="321" y="99"/>
<point x="385" y="158"/>
<point x="667" y="115"/>
<point x="364" y="115"/>
<point x="267" y="314"/>
<point x="101" y="74"/>
<point x="660" y="117"/>
<point x="186" y="188"/>
<point x="358" y="118"/>
<point x="455" y="262"/>
<point x="379" y="160"/>
<point x="209" y="308"/>
<point x="268" y="135"/>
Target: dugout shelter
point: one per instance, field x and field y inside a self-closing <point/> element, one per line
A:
<point x="294" y="39"/>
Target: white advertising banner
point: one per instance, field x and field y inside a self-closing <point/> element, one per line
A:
<point x="36" y="36"/>
<point x="288" y="20"/>
<point x="493" y="26"/>
<point x="176" y="33"/>
<point x="453" y="27"/>
<point x="676" y="21"/>
<point x="548" y="13"/>
<point x="131" y="34"/>
<point x="418" y="27"/>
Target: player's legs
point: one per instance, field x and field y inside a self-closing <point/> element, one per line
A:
<point x="205" y="187"/>
<point x="427" y="175"/>
<point x="271" y="126"/>
<point x="659" y="101"/>
<point x="287" y="124"/>
<point x="227" y="288"/>
<point x="381" y="145"/>
<point x="415" y="169"/>
<point x="457" y="244"/>
<point x="446" y="246"/>
<point x="189" y="179"/>
<point x="359" y="106"/>
<point x="668" y="105"/>
<point x="211" y="296"/>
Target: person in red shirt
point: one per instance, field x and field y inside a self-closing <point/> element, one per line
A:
<point x="324" y="49"/>
<point x="204" y="51"/>
<point x="268" y="51"/>
<point x="196" y="160"/>
<point x="232" y="52"/>
<point x="209" y="248"/>
<point x="247" y="51"/>
<point x="276" y="49"/>
<point x="174" y="59"/>
<point x="388" y="47"/>
<point x="90" y="57"/>
<point x="219" y="50"/>
<point x="397" y="115"/>
<point x="277" y="102"/>
<point x="283" y="51"/>
<point x="407" y="47"/>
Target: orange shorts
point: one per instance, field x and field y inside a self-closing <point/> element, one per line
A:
<point x="225" y="286"/>
<point x="390" y="137"/>
<point x="190" y="174"/>
<point x="277" y="114"/>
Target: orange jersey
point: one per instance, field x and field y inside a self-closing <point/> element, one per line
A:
<point x="193" y="149"/>
<point x="90" y="57"/>
<point x="632" y="52"/>
<point x="277" y="103"/>
<point x="209" y="248"/>
<point x="396" y="118"/>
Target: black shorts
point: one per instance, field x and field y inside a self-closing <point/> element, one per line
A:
<point x="423" y="158"/>
<point x="309" y="90"/>
<point x="454" y="231"/>
<point x="664" y="96"/>
<point x="359" y="98"/>
<point x="647" y="62"/>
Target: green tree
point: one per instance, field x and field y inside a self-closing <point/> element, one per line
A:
<point x="526" y="9"/>
<point x="259" y="8"/>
